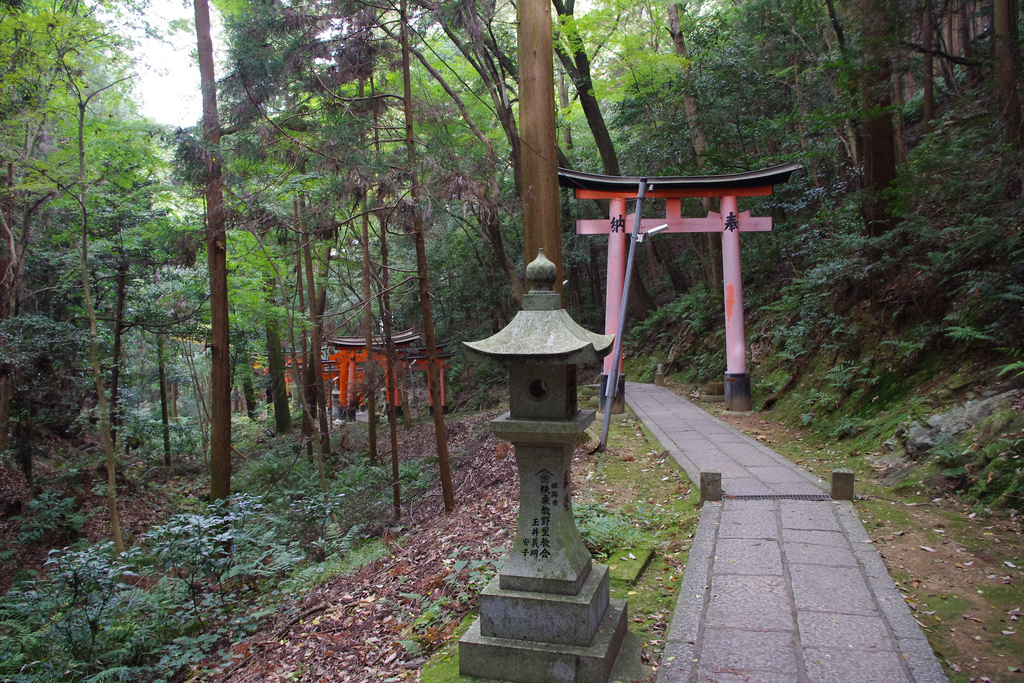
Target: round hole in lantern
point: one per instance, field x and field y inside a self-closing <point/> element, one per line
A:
<point x="537" y="389"/>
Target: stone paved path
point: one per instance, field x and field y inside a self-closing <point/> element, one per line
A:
<point x="777" y="589"/>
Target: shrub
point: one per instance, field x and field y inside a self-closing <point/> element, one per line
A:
<point x="50" y="517"/>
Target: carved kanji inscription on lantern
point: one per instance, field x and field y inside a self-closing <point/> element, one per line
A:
<point x="538" y="543"/>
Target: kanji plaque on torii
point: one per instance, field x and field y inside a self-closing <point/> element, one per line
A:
<point x="730" y="222"/>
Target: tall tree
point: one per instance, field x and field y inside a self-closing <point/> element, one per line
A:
<point x="429" y="336"/>
<point x="370" y="369"/>
<point x="216" y="252"/>
<point x="275" y="368"/>
<point x="537" y="126"/>
<point x="393" y="381"/>
<point x="317" y="300"/>
<point x="698" y="138"/>
<point x="84" y="97"/>
<point x="1008" y="69"/>
<point x="878" y="136"/>
<point x="572" y="54"/>
<point x="928" y="80"/>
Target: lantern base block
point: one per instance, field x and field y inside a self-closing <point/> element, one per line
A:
<point x="546" y="617"/>
<point x="527" y="661"/>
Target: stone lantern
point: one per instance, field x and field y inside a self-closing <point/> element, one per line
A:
<point x="547" y="616"/>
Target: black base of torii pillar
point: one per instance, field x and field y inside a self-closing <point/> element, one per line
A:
<point x="730" y="222"/>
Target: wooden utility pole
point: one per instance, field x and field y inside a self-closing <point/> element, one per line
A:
<point x="541" y="218"/>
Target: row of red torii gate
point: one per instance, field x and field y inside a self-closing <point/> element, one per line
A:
<point x="343" y="369"/>
<point x="344" y="376"/>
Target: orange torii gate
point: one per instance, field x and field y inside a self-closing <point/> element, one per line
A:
<point x="343" y="370"/>
<point x="729" y="222"/>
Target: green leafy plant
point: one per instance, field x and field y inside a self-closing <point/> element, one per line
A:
<point x="81" y="622"/>
<point x="51" y="517"/>
<point x="604" y="532"/>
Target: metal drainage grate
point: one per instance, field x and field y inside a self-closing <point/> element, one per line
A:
<point x="783" y="496"/>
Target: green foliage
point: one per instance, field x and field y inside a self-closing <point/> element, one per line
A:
<point x="43" y="356"/>
<point x="288" y="485"/>
<point x="987" y="471"/>
<point x="693" y="319"/>
<point x="50" y="517"/>
<point x="79" y="623"/>
<point x="603" y="531"/>
<point x="208" y="575"/>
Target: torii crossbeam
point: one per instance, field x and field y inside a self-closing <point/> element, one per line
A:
<point x="730" y="222"/>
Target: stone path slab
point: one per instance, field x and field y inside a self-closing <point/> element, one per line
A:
<point x="776" y="589"/>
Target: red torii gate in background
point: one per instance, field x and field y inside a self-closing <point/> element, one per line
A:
<point x="729" y="222"/>
<point x="343" y="369"/>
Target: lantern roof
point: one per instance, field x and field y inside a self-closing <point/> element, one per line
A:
<point x="543" y="332"/>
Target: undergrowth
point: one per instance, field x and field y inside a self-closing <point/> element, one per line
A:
<point x="196" y="583"/>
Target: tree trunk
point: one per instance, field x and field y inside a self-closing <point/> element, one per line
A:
<point x="663" y="253"/>
<point x="115" y="371"/>
<point x="393" y="373"/>
<point x="315" y="368"/>
<point x="8" y="294"/>
<point x="278" y="387"/>
<point x="249" y="391"/>
<point x="433" y="367"/>
<point x="307" y="402"/>
<point x="563" y="103"/>
<point x="877" y="133"/>
<point x="697" y="138"/>
<point x="163" y="399"/>
<point x="640" y="300"/>
<point x="902" y="149"/>
<point x="370" y="369"/>
<point x="312" y="444"/>
<point x="491" y="225"/>
<point x="541" y="226"/>
<point x="202" y="415"/>
<point x="573" y="57"/>
<point x="101" y="397"/>
<point x="928" y="86"/>
<point x="216" y="254"/>
<point x="971" y="70"/>
<point x="6" y="400"/>
<point x="405" y="387"/>
<point x="323" y="258"/>
<point x="489" y="213"/>
<point x="1008" y="67"/>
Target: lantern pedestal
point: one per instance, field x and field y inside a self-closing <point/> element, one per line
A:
<point x="536" y="662"/>
<point x="547" y="617"/>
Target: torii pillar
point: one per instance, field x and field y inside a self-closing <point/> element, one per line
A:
<point x="617" y="249"/>
<point x="737" y="380"/>
<point x="730" y="222"/>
